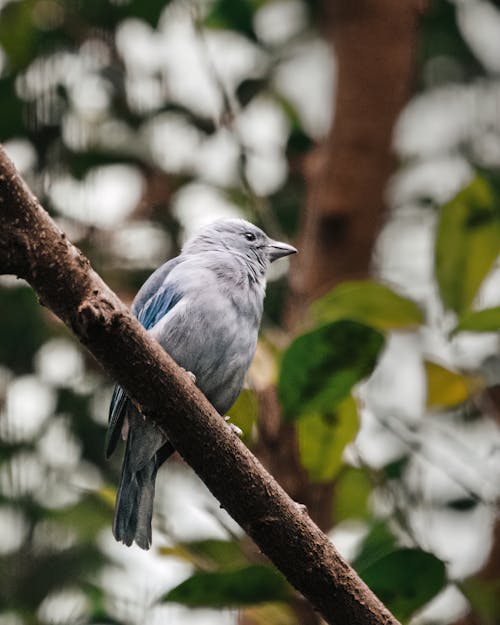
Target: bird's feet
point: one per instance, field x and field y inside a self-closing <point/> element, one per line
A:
<point x="238" y="431"/>
<point x="190" y="375"/>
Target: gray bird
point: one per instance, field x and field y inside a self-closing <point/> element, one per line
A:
<point x="204" y="307"/>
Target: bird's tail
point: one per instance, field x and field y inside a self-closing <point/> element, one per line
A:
<point x="134" y="501"/>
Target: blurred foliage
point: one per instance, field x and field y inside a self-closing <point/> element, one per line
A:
<point x="323" y="437"/>
<point x="320" y="367"/>
<point x="446" y="388"/>
<point x="238" y="587"/>
<point x="60" y="524"/>
<point x="368" y="302"/>
<point x="467" y="243"/>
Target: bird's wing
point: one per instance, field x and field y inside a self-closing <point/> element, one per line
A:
<point x="162" y="298"/>
<point x="158" y="305"/>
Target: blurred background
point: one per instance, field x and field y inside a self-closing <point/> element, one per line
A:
<point x="366" y="133"/>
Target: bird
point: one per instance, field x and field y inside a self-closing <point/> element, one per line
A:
<point x="204" y="307"/>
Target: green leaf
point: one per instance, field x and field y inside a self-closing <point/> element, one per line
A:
<point x="248" y="586"/>
<point x="244" y="413"/>
<point x="352" y="490"/>
<point x="209" y="553"/>
<point x="484" y="597"/>
<point x="395" y="469"/>
<point x="405" y="580"/>
<point x="269" y="614"/>
<point x="487" y="320"/>
<point x="87" y="517"/>
<point x="445" y="388"/>
<point x="377" y="544"/>
<point x="238" y="16"/>
<point x="467" y="243"/>
<point x="368" y="302"/>
<point x="320" y="368"/>
<point x="323" y="437"/>
<point x="22" y="316"/>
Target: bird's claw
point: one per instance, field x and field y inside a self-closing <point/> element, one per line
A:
<point x="238" y="431"/>
<point x="190" y="375"/>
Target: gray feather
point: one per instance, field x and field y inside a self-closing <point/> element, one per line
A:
<point x="204" y="308"/>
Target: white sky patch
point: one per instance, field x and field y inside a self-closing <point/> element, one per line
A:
<point x="140" y="244"/>
<point x="234" y="57"/>
<point x="22" y="153"/>
<point x="105" y="198"/>
<point x="263" y="125"/>
<point x="312" y="94"/>
<point x="489" y="291"/>
<point x="138" y="45"/>
<point x="276" y="22"/>
<point x="191" y="511"/>
<point x="480" y="26"/>
<point x="439" y="178"/>
<point x="347" y="537"/>
<point x="441" y="119"/>
<point x="216" y="161"/>
<point x="173" y="142"/>
<point x="21" y="475"/>
<point x="195" y="205"/>
<point x="264" y="129"/>
<point x="13" y="528"/>
<point x="29" y="403"/>
<point x="187" y="61"/>
<point x="182" y="64"/>
<point x="139" y="577"/>
<point x="58" y="446"/>
<point x="144" y="93"/>
<point x="447" y="607"/>
<point x="394" y="388"/>
<point x="59" y="362"/>
<point x="90" y="96"/>
<point x="69" y="605"/>
<point x="266" y="172"/>
<point x="406" y="238"/>
<point x="461" y="539"/>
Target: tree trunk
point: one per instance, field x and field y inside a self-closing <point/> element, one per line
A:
<point x="374" y="42"/>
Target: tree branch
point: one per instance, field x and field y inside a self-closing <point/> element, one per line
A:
<point x="32" y="247"/>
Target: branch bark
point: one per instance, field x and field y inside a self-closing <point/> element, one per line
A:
<point x="34" y="248"/>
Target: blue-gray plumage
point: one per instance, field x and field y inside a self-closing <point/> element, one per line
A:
<point x="204" y="307"/>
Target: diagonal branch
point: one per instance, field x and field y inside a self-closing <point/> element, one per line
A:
<point x="33" y="248"/>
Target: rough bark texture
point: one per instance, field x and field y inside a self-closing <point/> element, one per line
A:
<point x="32" y="247"/>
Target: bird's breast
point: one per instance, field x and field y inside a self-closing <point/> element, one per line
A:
<point x="214" y="338"/>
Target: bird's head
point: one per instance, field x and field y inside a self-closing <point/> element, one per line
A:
<point x="242" y="239"/>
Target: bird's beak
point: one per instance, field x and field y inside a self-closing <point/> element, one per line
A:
<point x="277" y="249"/>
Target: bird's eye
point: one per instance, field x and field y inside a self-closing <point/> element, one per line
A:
<point x="249" y="236"/>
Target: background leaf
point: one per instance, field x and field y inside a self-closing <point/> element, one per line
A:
<point x="209" y="553"/>
<point x="320" y="368"/>
<point x="467" y="243"/>
<point x="446" y="388"/>
<point x="322" y="439"/>
<point x="405" y="580"/>
<point x="244" y="413"/>
<point x="368" y="302"/>
<point x="251" y="585"/>
<point x="486" y="320"/>
<point x="352" y="490"/>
